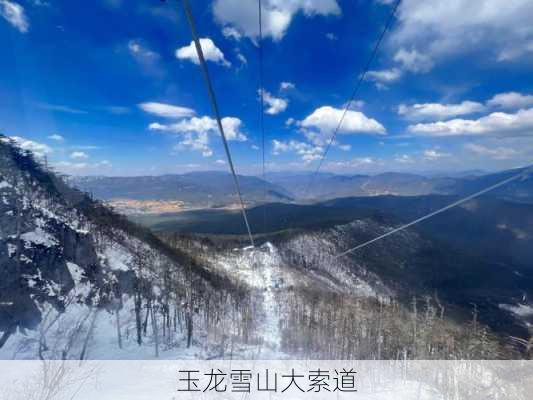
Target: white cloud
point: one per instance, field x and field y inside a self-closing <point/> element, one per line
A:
<point x="220" y="162"/>
<point x="139" y="50"/>
<point x="498" y="123"/>
<point x="79" y="155"/>
<point x="211" y="53"/>
<point x="230" y="32"/>
<point x="275" y="104"/>
<point x="286" y="86"/>
<point x="232" y="129"/>
<point x="383" y="77"/>
<point x="231" y="125"/>
<point x="14" y="14"/>
<point x="166" y="110"/>
<point x="331" y="36"/>
<point x="325" y="119"/>
<point x="255" y="147"/>
<point x="511" y="100"/>
<point x="434" y="154"/>
<point x="404" y="159"/>
<point x="306" y="151"/>
<point x="439" y="111"/>
<point x="497" y="153"/>
<point x="56" y="137"/>
<point x="386" y="75"/>
<point x="438" y="29"/>
<point x="194" y="132"/>
<point x="277" y="15"/>
<point x="198" y="141"/>
<point x="413" y="61"/>
<point x="38" y="149"/>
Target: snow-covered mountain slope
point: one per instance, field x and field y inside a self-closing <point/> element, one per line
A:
<point x="77" y="280"/>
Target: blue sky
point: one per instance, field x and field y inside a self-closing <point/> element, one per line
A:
<point x="113" y="87"/>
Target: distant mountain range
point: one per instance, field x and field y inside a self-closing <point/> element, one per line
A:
<point x="199" y="189"/>
<point x="329" y="186"/>
<point x="213" y="188"/>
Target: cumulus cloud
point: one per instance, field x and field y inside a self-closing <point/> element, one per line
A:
<point x="511" y="100"/>
<point x="439" y="111"/>
<point x="198" y="141"/>
<point x="195" y="132"/>
<point x="38" y="149"/>
<point x="79" y="155"/>
<point x="166" y="110"/>
<point x="275" y="105"/>
<point x="325" y="119"/>
<point x="383" y="77"/>
<point x="497" y="123"/>
<point x="14" y="13"/>
<point x="277" y="15"/>
<point x="56" y="137"/>
<point x="231" y="125"/>
<point x="306" y="151"/>
<point x="413" y="61"/>
<point x="286" y="86"/>
<point x="231" y="32"/>
<point x="438" y="29"/>
<point x="220" y="162"/>
<point x="211" y="53"/>
<point x="496" y="153"/>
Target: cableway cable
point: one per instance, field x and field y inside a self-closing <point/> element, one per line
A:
<point x="352" y="96"/>
<point x="262" y="112"/>
<point x="214" y="105"/>
<point x="522" y="175"/>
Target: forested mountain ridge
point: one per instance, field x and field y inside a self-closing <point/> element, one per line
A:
<point x="72" y="273"/>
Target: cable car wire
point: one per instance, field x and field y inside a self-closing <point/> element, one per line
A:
<point x="354" y="93"/>
<point x="262" y="112"/>
<point x="214" y="105"/>
<point x="523" y="174"/>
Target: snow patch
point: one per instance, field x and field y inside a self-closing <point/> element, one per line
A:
<point x="39" y="237"/>
<point x="117" y="258"/>
<point x="522" y="310"/>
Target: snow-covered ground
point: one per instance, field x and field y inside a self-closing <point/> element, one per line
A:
<point x="261" y="270"/>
